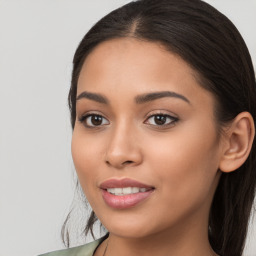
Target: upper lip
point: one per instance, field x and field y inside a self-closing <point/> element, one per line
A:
<point x="123" y="183"/>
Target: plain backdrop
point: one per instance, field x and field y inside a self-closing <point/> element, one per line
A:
<point x="37" y="42"/>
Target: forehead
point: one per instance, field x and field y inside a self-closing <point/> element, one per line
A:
<point x="134" y="66"/>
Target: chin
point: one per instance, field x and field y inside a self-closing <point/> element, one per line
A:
<point x="131" y="227"/>
<point x="134" y="227"/>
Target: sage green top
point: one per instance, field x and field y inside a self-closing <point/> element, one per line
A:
<point x="83" y="250"/>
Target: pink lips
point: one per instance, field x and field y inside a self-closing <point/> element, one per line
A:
<point x="125" y="201"/>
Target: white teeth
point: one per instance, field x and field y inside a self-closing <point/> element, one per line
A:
<point x="125" y="191"/>
<point x="118" y="191"/>
<point x="135" y="190"/>
<point x="111" y="190"/>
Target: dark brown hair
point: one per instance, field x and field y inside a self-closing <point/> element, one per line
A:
<point x="212" y="46"/>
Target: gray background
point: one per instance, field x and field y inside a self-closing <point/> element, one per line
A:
<point x="37" y="42"/>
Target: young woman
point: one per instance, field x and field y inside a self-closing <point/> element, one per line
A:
<point x="163" y="112"/>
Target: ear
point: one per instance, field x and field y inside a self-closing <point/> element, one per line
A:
<point x="238" y="141"/>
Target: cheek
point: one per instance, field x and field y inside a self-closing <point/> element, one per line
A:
<point x="185" y="163"/>
<point x="86" y="153"/>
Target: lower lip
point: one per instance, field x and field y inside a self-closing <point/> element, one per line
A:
<point x="124" y="202"/>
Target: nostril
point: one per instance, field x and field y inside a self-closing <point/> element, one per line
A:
<point x="127" y="162"/>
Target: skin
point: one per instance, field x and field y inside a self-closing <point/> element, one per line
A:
<point x="180" y="159"/>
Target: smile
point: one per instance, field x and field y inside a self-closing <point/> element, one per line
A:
<point x="125" y="193"/>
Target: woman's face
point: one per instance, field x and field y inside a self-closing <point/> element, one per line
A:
<point x="145" y="143"/>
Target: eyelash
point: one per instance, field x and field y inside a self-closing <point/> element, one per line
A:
<point x="173" y="120"/>
<point x="84" y="118"/>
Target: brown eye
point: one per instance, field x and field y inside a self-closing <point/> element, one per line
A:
<point x="161" y="120"/>
<point x="94" y="120"/>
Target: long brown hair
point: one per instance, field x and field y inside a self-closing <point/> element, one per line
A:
<point x="212" y="45"/>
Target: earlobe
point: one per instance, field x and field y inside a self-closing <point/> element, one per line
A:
<point x="238" y="142"/>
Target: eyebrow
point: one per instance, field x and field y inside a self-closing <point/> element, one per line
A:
<point x="140" y="99"/>
<point x="93" y="96"/>
<point x="158" y="95"/>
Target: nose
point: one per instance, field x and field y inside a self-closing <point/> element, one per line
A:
<point x="123" y="149"/>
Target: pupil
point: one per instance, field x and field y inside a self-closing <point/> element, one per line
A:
<point x="96" y="120"/>
<point x="160" y="120"/>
